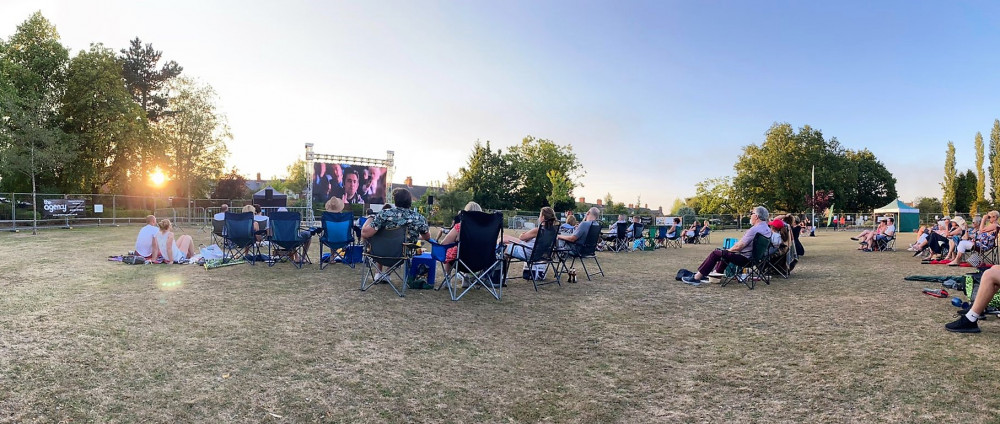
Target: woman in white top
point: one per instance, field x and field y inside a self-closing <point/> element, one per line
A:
<point x="173" y="250"/>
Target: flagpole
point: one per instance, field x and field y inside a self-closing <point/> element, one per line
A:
<point x="813" y="195"/>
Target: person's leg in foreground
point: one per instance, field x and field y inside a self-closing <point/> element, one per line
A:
<point x="988" y="287"/>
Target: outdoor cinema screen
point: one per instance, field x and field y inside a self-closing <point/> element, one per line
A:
<point x="351" y="183"/>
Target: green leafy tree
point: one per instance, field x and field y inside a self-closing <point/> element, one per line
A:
<point x="33" y="147"/>
<point x="231" y="186"/>
<point x="676" y="207"/>
<point x="298" y="176"/>
<point x="928" y="205"/>
<point x="561" y="198"/>
<point x="965" y="191"/>
<point x="194" y="136"/>
<point x="109" y="126"/>
<point x="533" y="159"/>
<point x="718" y="196"/>
<point x="948" y="186"/>
<point x="145" y="82"/>
<point x="489" y="175"/>
<point x="995" y="162"/>
<point x="686" y="213"/>
<point x="874" y="184"/>
<point x="980" y="175"/>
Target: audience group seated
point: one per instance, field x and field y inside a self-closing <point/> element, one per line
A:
<point x="869" y="240"/>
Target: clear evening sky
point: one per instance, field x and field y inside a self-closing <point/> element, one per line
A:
<point x="653" y="96"/>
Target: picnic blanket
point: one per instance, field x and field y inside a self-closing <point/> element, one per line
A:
<point x="219" y="263"/>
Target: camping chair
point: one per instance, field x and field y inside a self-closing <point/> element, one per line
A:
<point x="337" y="236"/>
<point x="239" y="239"/>
<point x="587" y="251"/>
<point x="780" y="262"/>
<point x="218" y="229"/>
<point x="676" y="240"/>
<point x="753" y="270"/>
<point x="728" y="243"/>
<point x="389" y="249"/>
<point x="620" y="241"/>
<point x="635" y="235"/>
<point x="978" y="256"/>
<point x="649" y="241"/>
<point x="888" y="244"/>
<point x="479" y="260"/>
<point x="542" y="253"/>
<point x="285" y="240"/>
<point x="703" y="237"/>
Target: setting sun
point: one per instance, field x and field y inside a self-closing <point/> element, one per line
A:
<point x="157" y="177"/>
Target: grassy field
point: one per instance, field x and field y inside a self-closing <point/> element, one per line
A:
<point x="846" y="339"/>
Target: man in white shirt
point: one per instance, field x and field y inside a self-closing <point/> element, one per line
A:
<point x="145" y="246"/>
<point x="221" y="216"/>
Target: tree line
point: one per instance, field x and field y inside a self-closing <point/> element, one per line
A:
<point x="778" y="174"/>
<point x="966" y="192"/>
<point x="102" y="121"/>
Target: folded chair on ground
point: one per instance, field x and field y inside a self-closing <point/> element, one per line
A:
<point x="479" y="260"/>
<point x="285" y="240"/>
<point x="755" y="269"/>
<point x="542" y="253"/>
<point x="337" y="235"/>
<point x="240" y="241"/>
<point x="588" y="250"/>
<point x="388" y="249"/>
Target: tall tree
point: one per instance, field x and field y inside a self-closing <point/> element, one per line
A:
<point x="107" y="123"/>
<point x="995" y="162"/>
<point x="231" y="186"/>
<point x="965" y="191"/>
<point x="874" y="184"/>
<point x="980" y="175"/>
<point x="194" y="135"/>
<point x="928" y="205"/>
<point x="144" y="81"/>
<point x="533" y="159"/>
<point x="718" y="196"/>
<point x="33" y="148"/>
<point x="561" y="198"/>
<point x="948" y="185"/>
<point x="489" y="175"/>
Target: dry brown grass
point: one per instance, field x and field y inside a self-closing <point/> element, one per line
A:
<point x="844" y="340"/>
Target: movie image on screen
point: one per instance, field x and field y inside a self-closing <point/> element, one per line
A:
<point x="350" y="183"/>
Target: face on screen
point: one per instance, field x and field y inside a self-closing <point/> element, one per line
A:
<point x="350" y="185"/>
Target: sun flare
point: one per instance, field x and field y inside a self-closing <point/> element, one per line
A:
<point x="157" y="177"/>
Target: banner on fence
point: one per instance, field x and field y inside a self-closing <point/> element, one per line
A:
<point x="63" y="207"/>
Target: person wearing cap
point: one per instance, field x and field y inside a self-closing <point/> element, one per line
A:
<point x="739" y="254"/>
<point x="777" y="237"/>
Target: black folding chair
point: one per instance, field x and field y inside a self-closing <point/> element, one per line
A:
<point x="389" y="249"/>
<point x="543" y="252"/>
<point x="337" y="235"/>
<point x="620" y="241"/>
<point x="636" y="234"/>
<point x="285" y="239"/>
<point x="479" y="259"/>
<point x="586" y="250"/>
<point x="218" y="229"/>
<point x="755" y="269"/>
<point x="239" y="239"/>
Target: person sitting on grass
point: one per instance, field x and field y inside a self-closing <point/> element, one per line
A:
<point x="968" y="320"/>
<point x="739" y="254"/>
<point x="174" y="251"/>
<point x="402" y="214"/>
<point x="145" y="243"/>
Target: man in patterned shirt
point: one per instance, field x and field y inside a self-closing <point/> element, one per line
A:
<point x="397" y="217"/>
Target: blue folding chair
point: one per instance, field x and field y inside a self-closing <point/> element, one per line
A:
<point x="240" y="241"/>
<point x="337" y="235"/>
<point x="285" y="239"/>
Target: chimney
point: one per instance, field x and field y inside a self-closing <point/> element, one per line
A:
<point x="600" y="202"/>
<point x="631" y="206"/>
<point x="409" y="181"/>
<point x="647" y="206"/>
<point x="258" y="176"/>
<point x="583" y="200"/>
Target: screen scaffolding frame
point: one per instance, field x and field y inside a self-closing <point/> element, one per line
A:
<point x="312" y="157"/>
